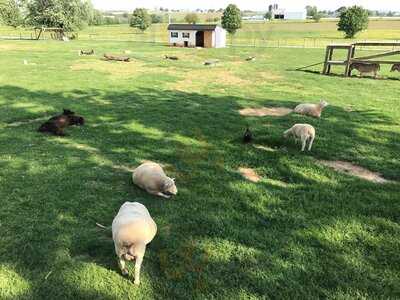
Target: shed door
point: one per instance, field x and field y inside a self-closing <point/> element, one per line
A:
<point x="200" y="39"/>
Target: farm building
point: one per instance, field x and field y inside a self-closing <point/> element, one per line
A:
<point x="283" y="14"/>
<point x="194" y="35"/>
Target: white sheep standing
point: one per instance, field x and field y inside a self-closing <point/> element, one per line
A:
<point x="132" y="229"/>
<point x="151" y="177"/>
<point x="313" y="110"/>
<point x="304" y="132"/>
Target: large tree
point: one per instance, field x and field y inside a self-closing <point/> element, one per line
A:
<point x="232" y="19"/>
<point x="353" y="20"/>
<point x="67" y="14"/>
<point x="11" y="12"/>
<point x="140" y="19"/>
<point x="192" y="18"/>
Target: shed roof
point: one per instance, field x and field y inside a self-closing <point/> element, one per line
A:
<point x="206" y="27"/>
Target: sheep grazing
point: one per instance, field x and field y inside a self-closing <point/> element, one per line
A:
<point x="171" y="57"/>
<point x="251" y="58"/>
<point x="56" y="125"/>
<point x="365" y="68"/>
<point x="132" y="229"/>
<point x="304" y="132"/>
<point x="83" y="52"/>
<point x="248" y="136"/>
<point x="309" y="109"/>
<point x="395" y="67"/>
<point x="151" y="177"/>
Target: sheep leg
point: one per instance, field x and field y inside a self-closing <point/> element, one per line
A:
<point x="311" y="143"/>
<point x="157" y="193"/>
<point x="138" y="265"/>
<point x="122" y="266"/>
<point x="304" y="142"/>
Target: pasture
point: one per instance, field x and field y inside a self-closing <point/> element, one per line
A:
<point x="303" y="231"/>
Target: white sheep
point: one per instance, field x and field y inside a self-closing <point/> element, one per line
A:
<point x="305" y="132"/>
<point x="151" y="177"/>
<point x="313" y="110"/>
<point x="132" y="229"/>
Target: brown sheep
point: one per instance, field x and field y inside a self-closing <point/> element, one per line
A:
<point x="56" y="125"/>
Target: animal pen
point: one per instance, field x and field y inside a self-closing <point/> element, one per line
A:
<point x="351" y="56"/>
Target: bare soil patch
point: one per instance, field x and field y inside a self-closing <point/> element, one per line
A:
<point x="265" y="111"/>
<point x="351" y="169"/>
<point x="250" y="174"/>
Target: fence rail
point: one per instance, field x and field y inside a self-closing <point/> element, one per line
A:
<point x="240" y="41"/>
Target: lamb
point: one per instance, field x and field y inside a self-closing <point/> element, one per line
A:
<point x="83" y="52"/>
<point x="305" y="132"/>
<point x="248" y="136"/>
<point x="151" y="177"/>
<point x="171" y="57"/>
<point x="132" y="229"/>
<point x="313" y="110"/>
<point x="395" y="67"/>
<point x="56" y="125"/>
<point x="365" y="68"/>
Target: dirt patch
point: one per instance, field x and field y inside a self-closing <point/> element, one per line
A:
<point x="250" y="174"/>
<point x="349" y="168"/>
<point x="208" y="77"/>
<point x="265" y="111"/>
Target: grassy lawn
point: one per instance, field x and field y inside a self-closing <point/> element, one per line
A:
<point x="303" y="232"/>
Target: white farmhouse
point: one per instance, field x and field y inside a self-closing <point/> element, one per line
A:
<point x="283" y="14"/>
<point x="196" y="35"/>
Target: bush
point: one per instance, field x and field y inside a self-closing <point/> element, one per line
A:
<point x="353" y="20"/>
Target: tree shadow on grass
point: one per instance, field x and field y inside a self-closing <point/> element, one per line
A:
<point x="221" y="236"/>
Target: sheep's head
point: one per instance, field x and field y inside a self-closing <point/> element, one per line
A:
<point x="286" y="133"/>
<point x="323" y="104"/>
<point x="76" y="120"/>
<point x="170" y="187"/>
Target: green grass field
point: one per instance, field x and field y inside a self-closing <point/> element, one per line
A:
<point x="274" y="34"/>
<point x="303" y="232"/>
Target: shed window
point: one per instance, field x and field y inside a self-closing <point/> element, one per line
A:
<point x="186" y="35"/>
<point x="174" y="34"/>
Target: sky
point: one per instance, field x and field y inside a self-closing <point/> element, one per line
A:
<point x="258" y="5"/>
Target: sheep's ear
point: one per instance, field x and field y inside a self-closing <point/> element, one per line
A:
<point x="173" y="179"/>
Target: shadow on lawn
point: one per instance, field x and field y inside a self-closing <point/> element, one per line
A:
<point x="263" y="240"/>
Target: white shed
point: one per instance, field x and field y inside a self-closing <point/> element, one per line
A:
<point x="197" y="35"/>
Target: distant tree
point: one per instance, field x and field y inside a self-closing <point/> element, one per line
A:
<point x="140" y="19"/>
<point x="353" y="20"/>
<point x="311" y="10"/>
<point x="10" y="13"/>
<point x="268" y="15"/>
<point x="67" y="14"/>
<point x="317" y="17"/>
<point x="192" y="18"/>
<point x="231" y="19"/>
<point x="156" y="19"/>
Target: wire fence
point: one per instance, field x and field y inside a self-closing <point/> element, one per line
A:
<point x="247" y="39"/>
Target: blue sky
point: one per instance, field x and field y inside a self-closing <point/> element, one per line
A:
<point x="244" y="4"/>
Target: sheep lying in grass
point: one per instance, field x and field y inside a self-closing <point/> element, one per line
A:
<point x="313" y="110"/>
<point x="151" y="177"/>
<point x="132" y="229"/>
<point x="304" y="132"/>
